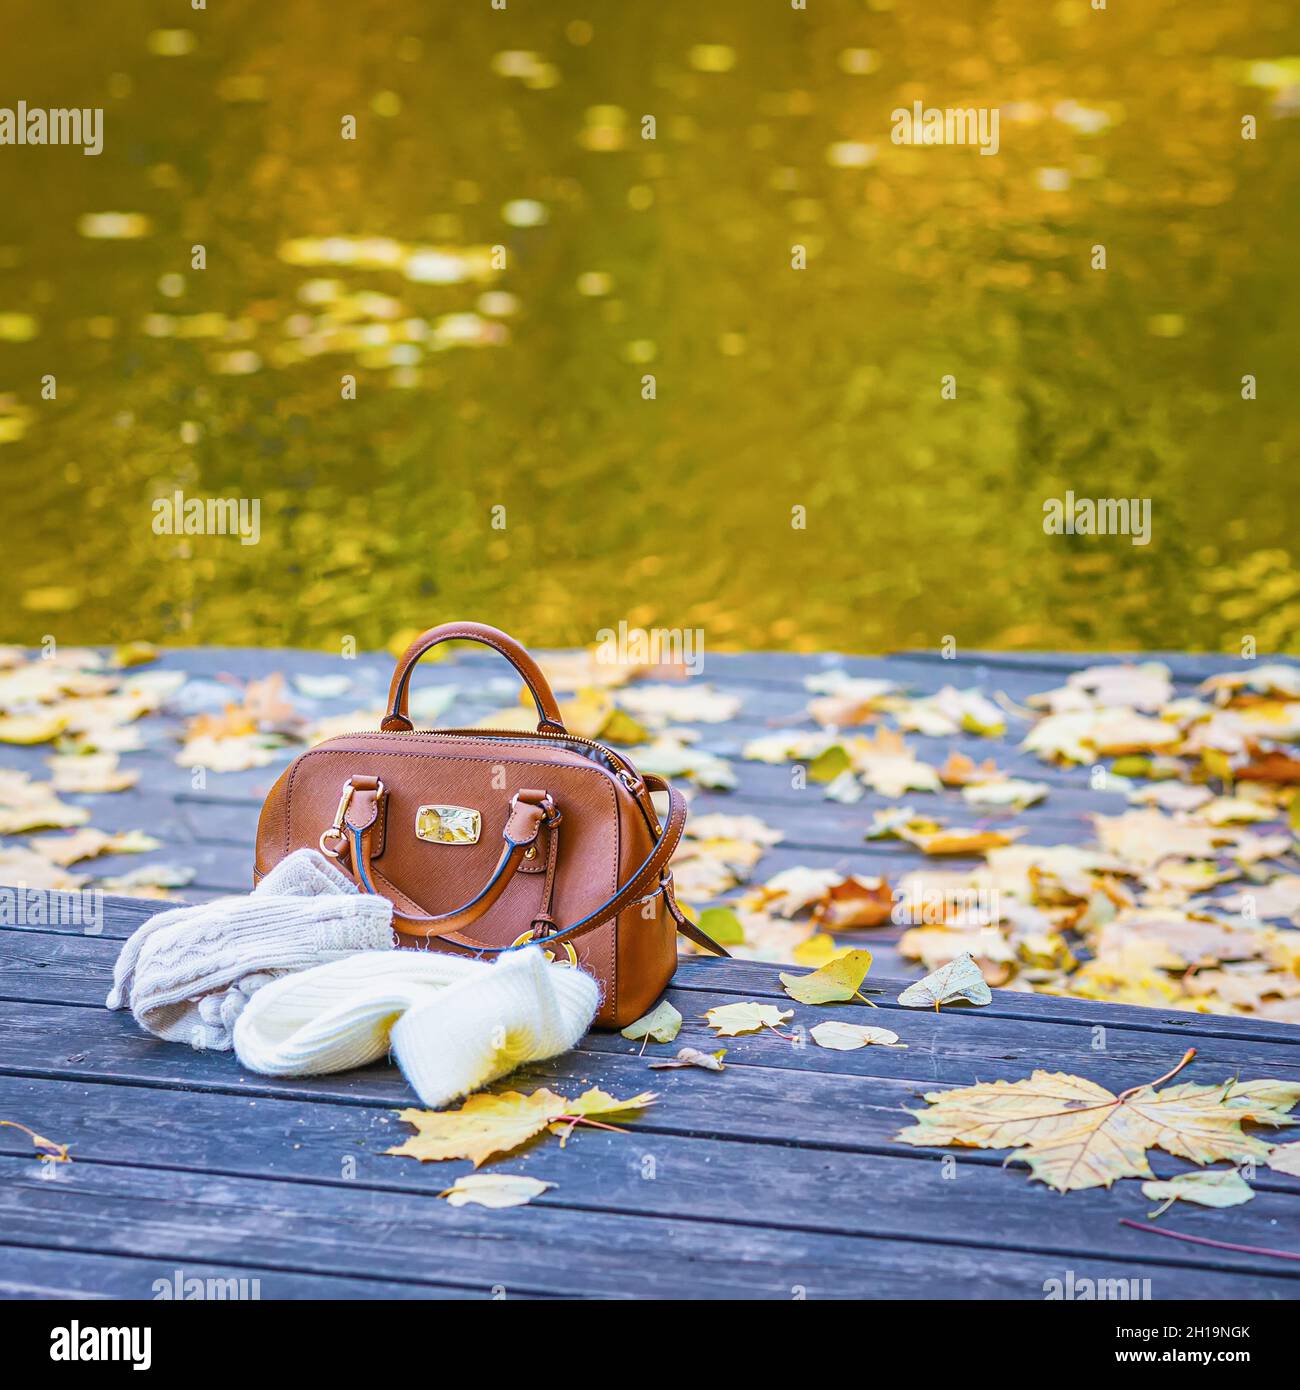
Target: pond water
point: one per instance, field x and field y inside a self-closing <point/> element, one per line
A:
<point x="769" y="373"/>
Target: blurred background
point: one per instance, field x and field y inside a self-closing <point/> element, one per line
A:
<point x="514" y="377"/>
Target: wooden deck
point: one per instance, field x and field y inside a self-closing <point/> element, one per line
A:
<point x="776" y="1179"/>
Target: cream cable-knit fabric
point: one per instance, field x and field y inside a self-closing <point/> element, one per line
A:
<point x="187" y="974"/>
<point x="453" y="1023"/>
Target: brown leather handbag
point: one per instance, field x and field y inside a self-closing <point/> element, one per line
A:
<point x="485" y="841"/>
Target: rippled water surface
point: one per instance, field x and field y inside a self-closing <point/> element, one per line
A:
<point x="500" y="262"/>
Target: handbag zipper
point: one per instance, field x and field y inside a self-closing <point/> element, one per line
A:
<point x="627" y="774"/>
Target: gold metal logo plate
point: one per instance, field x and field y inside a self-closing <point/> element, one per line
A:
<point x="448" y="825"/>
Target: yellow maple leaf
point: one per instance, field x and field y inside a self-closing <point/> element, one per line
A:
<point x="1075" y="1134"/>
<point x="488" y="1124"/>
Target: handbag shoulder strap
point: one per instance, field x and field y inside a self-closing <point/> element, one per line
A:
<point x="530" y="810"/>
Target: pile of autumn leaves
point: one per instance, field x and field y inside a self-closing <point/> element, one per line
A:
<point x="1138" y="916"/>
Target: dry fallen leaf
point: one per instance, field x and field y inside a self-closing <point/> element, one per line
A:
<point x="1221" y="1187"/>
<point x="1012" y="792"/>
<point x="959" y="979"/>
<point x="729" y="1020"/>
<point x="488" y="1124"/>
<point x="494" y="1190"/>
<point x="1285" y="1158"/>
<point x="961" y="771"/>
<point x="854" y="902"/>
<point x="834" y="982"/>
<point x="31" y="728"/>
<point x="47" y="1148"/>
<point x="680" y="704"/>
<point x="956" y="840"/>
<point x="661" y="1024"/>
<point x="229" y="753"/>
<point x="847" y="1037"/>
<point x="88" y="843"/>
<point x="692" y="1057"/>
<point x="1076" y="1134"/>
<point x="28" y="805"/>
<point x="90" y="772"/>
<point x="24" y="868"/>
<point x="889" y="766"/>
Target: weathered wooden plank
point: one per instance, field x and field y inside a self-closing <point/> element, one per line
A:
<point x="218" y="1219"/>
<point x="32" y="1272"/>
<point x="68" y="967"/>
<point x="772" y="1094"/>
<point x="84" y="963"/>
<point x="638" y="1173"/>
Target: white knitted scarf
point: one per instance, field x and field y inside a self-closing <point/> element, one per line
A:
<point x="186" y="974"/>
<point x="301" y="976"/>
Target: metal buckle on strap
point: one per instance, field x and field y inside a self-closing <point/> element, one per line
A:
<point x="336" y="831"/>
<point x="567" y="946"/>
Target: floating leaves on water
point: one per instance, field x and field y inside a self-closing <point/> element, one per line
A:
<point x="241" y="87"/>
<point x="524" y="212"/>
<point x="712" y="57"/>
<point x="959" y="979"/>
<point x="114" y="226"/>
<point x="604" y="129"/>
<point x="170" y="43"/>
<point x="593" y="284"/>
<point x="859" y="62"/>
<point x="17" y="328"/>
<point x="851" y="154"/>
<point x="494" y="1190"/>
<point x="527" y="67"/>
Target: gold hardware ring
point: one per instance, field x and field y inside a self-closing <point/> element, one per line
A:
<point x="570" y="953"/>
